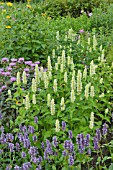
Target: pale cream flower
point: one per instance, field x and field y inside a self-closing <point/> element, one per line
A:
<point x="57" y="124"/>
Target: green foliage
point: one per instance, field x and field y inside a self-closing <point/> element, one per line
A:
<point x="72" y="8"/>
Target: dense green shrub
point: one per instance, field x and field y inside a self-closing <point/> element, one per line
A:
<point x="72" y="8"/>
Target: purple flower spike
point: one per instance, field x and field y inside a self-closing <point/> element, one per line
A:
<point x="70" y="134"/>
<point x="70" y="160"/>
<point x="81" y="31"/>
<point x="31" y="129"/>
<point x="64" y="153"/>
<point x="11" y="147"/>
<point x="34" y="138"/>
<point x="17" y="146"/>
<point x="98" y="134"/>
<point x="16" y="168"/>
<point x="4" y="87"/>
<point x="9" y="68"/>
<point x="26" y="70"/>
<point x="96" y="144"/>
<point x="63" y="125"/>
<point x="23" y="154"/>
<point x="28" y="63"/>
<point x="33" y="151"/>
<point x="1" y="151"/>
<point x="36" y="119"/>
<point x="13" y="79"/>
<point x="37" y="62"/>
<point x="7" y="73"/>
<point x="20" y="60"/>
<point x="5" y="60"/>
<point x="87" y="140"/>
<point x="55" y="143"/>
<point x="42" y="145"/>
<point x="12" y="64"/>
<point x="104" y="129"/>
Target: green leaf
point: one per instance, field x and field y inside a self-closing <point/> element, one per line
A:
<point x="111" y="167"/>
<point x="53" y="167"/>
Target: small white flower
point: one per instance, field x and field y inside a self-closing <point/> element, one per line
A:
<point x="57" y="124"/>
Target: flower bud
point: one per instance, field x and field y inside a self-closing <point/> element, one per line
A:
<point x="34" y="88"/>
<point x="34" y="99"/>
<point x="52" y="107"/>
<point x="92" y="93"/>
<point x="57" y="124"/>
<point x="18" y="78"/>
<point x="27" y="102"/>
<point x="24" y="78"/>
<point x="62" y="105"/>
<point x="55" y="85"/>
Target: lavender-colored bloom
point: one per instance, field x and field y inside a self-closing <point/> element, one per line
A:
<point x="89" y="151"/>
<point x="25" y="135"/>
<point x="31" y="129"/>
<point x="37" y="62"/>
<point x="1" y="69"/>
<point x="39" y="159"/>
<point x="13" y="79"/>
<point x="12" y="64"/>
<point x="87" y="140"/>
<point x="16" y="167"/>
<point x="90" y="14"/>
<point x="45" y="155"/>
<point x="63" y="125"/>
<point x="34" y="138"/>
<point x="17" y="146"/>
<point x="68" y="145"/>
<point x="9" y="137"/>
<point x="7" y="73"/>
<point x="81" y="31"/>
<point x="33" y="151"/>
<point x="26" y="69"/>
<point x="14" y="60"/>
<point x="24" y="129"/>
<point x="4" y="87"/>
<point x="33" y="159"/>
<point x="54" y="142"/>
<point x="81" y="142"/>
<point x="36" y="119"/>
<point x="33" y="65"/>
<point x="21" y="127"/>
<point x="1" y="151"/>
<point x="3" y="73"/>
<point x="39" y="167"/>
<point x="23" y="154"/>
<point x="70" y="160"/>
<point x="2" y="129"/>
<point x="1" y="116"/>
<point x="11" y="147"/>
<point x="98" y="134"/>
<point x="28" y="63"/>
<point x="64" y="153"/>
<point x="4" y="60"/>
<point x="70" y="134"/>
<point x="2" y="138"/>
<point x="104" y="129"/>
<point x="26" y="166"/>
<point x="20" y="60"/>
<point x="0" y="90"/>
<point x="26" y="143"/>
<point x="20" y="137"/>
<point x="9" y="68"/>
<point x="48" y="147"/>
<point x="96" y="144"/>
<point x="8" y="168"/>
<point x="45" y="69"/>
<point x="42" y="145"/>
